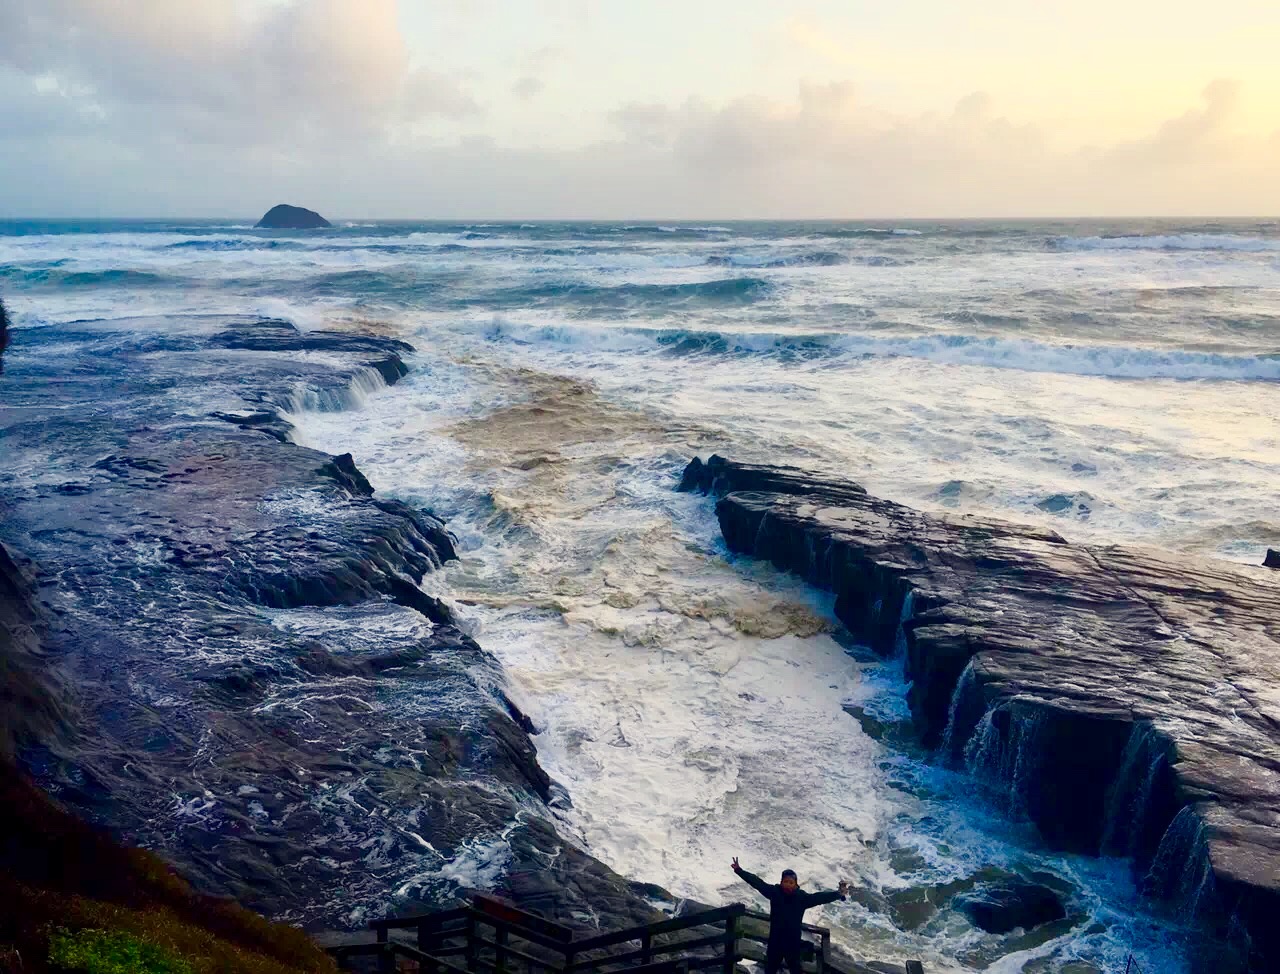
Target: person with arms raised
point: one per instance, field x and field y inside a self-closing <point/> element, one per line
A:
<point x="787" y="903"/>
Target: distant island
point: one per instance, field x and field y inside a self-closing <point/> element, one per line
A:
<point x="282" y="216"/>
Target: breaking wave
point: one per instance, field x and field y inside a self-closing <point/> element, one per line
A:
<point x="1175" y="241"/>
<point x="818" y="258"/>
<point x="57" y="275"/>
<point x="1112" y="361"/>
<point x="237" y="243"/>
<point x="727" y="291"/>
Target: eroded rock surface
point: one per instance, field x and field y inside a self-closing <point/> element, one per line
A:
<point x="260" y="689"/>
<point x="1126" y="700"/>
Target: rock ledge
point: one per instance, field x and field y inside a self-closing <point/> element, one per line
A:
<point x="1124" y="700"/>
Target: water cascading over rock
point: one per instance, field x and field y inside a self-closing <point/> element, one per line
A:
<point x="1117" y="698"/>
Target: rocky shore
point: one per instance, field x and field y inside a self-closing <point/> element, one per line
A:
<point x="252" y="681"/>
<point x="1123" y="700"/>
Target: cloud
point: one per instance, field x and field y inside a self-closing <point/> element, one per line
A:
<point x="149" y="107"/>
<point x="527" y="87"/>
<point x="826" y="152"/>
<point x="223" y="71"/>
<point x="1195" y="136"/>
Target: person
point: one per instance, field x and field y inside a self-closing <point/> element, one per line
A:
<point x="787" y="903"/>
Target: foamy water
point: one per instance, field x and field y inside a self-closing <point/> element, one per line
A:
<point x="1112" y="381"/>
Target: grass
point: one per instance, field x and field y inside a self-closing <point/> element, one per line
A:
<point x="72" y="897"/>
<point x="111" y="952"/>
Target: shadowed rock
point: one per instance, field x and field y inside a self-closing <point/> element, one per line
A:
<point x="1124" y="700"/>
<point x="282" y="216"/>
<point x="1005" y="906"/>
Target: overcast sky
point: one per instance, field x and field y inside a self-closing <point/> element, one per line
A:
<point x="639" y="108"/>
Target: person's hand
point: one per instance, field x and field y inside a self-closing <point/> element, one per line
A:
<point x="736" y="867"/>
<point x="842" y="889"/>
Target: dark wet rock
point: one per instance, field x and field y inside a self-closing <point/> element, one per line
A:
<point x="1124" y="700"/>
<point x="1272" y="560"/>
<point x="271" y="423"/>
<point x="342" y="469"/>
<point x="1078" y="504"/>
<point x="900" y="735"/>
<point x="4" y="334"/>
<point x="1005" y="906"/>
<point x="264" y="693"/>
<point x="33" y="705"/>
<point x="282" y="216"/>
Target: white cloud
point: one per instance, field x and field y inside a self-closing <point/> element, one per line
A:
<point x="224" y="71"/>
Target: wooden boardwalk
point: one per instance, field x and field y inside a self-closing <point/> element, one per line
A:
<point x="490" y="936"/>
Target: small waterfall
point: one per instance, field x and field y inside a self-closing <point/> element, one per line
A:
<point x="964" y="686"/>
<point x="362" y="383"/>
<point x="1180" y="872"/>
<point x="757" y="543"/>
<point x="1005" y="749"/>
<point x="900" y="637"/>
<point x="1130" y="797"/>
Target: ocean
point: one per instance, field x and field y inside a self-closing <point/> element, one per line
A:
<point x="1113" y="380"/>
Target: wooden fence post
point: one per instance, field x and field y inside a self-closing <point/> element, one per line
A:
<point x="730" y="942"/>
<point x="500" y="950"/>
<point x="471" y="953"/>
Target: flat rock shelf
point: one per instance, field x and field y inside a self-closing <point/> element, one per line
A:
<point x="1126" y="701"/>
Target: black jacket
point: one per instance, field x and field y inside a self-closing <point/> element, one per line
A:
<point x="786" y="910"/>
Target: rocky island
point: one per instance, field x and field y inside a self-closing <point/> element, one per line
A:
<point x="1126" y="701"/>
<point x="282" y="216"/>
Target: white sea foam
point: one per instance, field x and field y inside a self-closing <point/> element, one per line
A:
<point x="682" y="737"/>
<point x="967" y="350"/>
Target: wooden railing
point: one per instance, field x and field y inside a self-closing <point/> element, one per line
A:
<point x="493" y="937"/>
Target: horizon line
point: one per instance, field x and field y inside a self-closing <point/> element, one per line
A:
<point x="677" y="219"/>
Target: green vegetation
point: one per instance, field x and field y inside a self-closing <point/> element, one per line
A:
<point x="73" y="899"/>
<point x="111" y="952"/>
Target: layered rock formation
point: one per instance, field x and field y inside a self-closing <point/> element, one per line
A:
<point x="1124" y="700"/>
<point x="282" y="216"/>
<point x="263" y="693"/>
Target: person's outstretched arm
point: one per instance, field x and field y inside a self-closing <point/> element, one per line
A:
<point x="830" y="896"/>
<point x="758" y="884"/>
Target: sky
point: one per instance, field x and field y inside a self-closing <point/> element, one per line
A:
<point x="634" y="109"/>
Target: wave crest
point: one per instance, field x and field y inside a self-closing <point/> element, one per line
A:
<point x="725" y="291"/>
<point x="1109" y="361"/>
<point x="1170" y="241"/>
